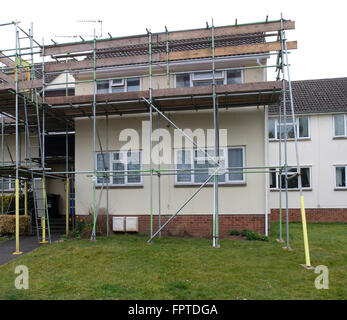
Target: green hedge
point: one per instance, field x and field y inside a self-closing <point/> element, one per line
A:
<point x="8" y="225"/>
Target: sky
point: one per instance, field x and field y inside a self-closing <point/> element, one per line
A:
<point x="320" y="25"/>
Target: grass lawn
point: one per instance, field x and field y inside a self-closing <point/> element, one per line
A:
<point x="125" y="267"/>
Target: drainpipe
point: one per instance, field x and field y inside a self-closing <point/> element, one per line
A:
<point x="266" y="180"/>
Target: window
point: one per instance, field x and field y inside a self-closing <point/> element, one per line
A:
<point x="234" y="76"/>
<point x="196" y="79"/>
<point x="340" y="121"/>
<point x="119" y="85"/>
<point x="117" y="163"/>
<point x="182" y="80"/>
<point x="340" y="177"/>
<point x="302" y="128"/>
<point x="206" y="78"/>
<point x="7" y="184"/>
<point x="276" y="178"/>
<point x="193" y="159"/>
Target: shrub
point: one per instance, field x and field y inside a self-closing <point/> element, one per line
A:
<point x="234" y="232"/>
<point x="250" y="235"/>
<point x="8" y="225"/>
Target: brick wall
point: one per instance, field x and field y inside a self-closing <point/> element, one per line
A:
<point x="312" y="215"/>
<point x="194" y="225"/>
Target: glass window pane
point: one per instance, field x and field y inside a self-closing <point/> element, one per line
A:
<point x="234" y="76"/>
<point x="201" y="174"/>
<point x="206" y="83"/>
<point x="118" y="179"/>
<point x="117" y="89"/>
<point x="339" y="123"/>
<point x="183" y="162"/>
<point x="292" y="180"/>
<point x="272" y="131"/>
<point x="235" y="159"/>
<point x="182" y="80"/>
<point x="102" y="164"/>
<point x="305" y="177"/>
<point x="303" y="127"/>
<point x="273" y="179"/>
<point x="340" y="176"/>
<point x="207" y="75"/>
<point x="134" y="163"/>
<point x="102" y="87"/>
<point x="290" y="131"/>
<point x="133" y="84"/>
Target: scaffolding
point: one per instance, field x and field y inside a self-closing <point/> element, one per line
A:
<point x="154" y="52"/>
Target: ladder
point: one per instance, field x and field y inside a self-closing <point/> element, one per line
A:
<point x="41" y="210"/>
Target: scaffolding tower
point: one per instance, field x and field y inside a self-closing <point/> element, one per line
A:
<point x="24" y="81"/>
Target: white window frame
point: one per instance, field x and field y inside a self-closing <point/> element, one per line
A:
<point x="290" y="123"/>
<point x="345" y="122"/>
<point x="123" y="84"/>
<point x="112" y="161"/>
<point x="223" y="158"/>
<point x="290" y="173"/>
<point x="339" y="166"/>
<point x="224" y="77"/>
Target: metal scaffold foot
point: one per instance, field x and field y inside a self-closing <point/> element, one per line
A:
<point x="279" y="240"/>
<point x="287" y="248"/>
<point x="307" y="267"/>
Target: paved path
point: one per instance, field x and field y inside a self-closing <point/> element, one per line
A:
<point x="26" y="244"/>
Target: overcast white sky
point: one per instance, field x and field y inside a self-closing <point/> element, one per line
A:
<point x="320" y="25"/>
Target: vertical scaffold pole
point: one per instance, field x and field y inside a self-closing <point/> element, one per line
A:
<point x="67" y="181"/>
<point x="2" y="160"/>
<point x="285" y="167"/>
<point x="150" y="130"/>
<point x="302" y="203"/>
<point x="216" y="147"/>
<point x="266" y="180"/>
<point x="280" y="171"/>
<point x="107" y="182"/>
<point x="17" y="252"/>
<point x="93" y="237"/>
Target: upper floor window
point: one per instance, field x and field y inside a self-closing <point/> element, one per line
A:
<point x="302" y="128"/>
<point x="340" y="177"/>
<point x="119" y="85"/>
<point x="197" y="165"/>
<point x="196" y="79"/>
<point x="123" y="168"/>
<point x="276" y="178"/>
<point x="340" y="125"/>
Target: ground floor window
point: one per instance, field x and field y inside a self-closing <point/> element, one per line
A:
<point x="340" y="177"/>
<point x="122" y="167"/>
<point x="197" y="165"/>
<point x="276" y="178"/>
<point x="7" y="184"/>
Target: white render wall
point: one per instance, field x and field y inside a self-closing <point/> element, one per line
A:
<point x="245" y="128"/>
<point x="321" y="152"/>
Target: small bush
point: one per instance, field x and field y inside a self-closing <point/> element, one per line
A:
<point x="245" y="232"/>
<point x="234" y="232"/>
<point x="250" y="235"/>
<point x="8" y="225"/>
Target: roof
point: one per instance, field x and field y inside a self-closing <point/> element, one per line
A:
<point x="318" y="96"/>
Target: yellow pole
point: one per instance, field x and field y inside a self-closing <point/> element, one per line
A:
<point x="17" y="252"/>
<point x="25" y="198"/>
<point x="67" y="192"/>
<point x="304" y="229"/>
<point x="43" y="219"/>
